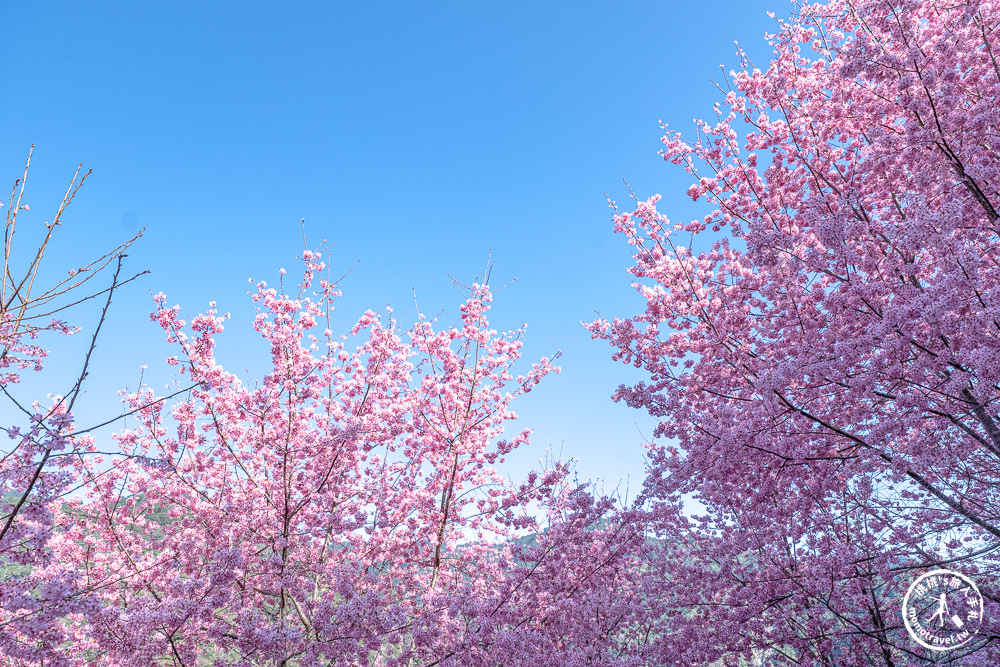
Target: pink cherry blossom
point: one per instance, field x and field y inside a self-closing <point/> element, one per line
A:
<point x="826" y="377"/>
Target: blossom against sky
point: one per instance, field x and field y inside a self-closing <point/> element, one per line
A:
<point x="422" y="140"/>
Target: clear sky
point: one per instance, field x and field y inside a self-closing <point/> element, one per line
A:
<point x="418" y="137"/>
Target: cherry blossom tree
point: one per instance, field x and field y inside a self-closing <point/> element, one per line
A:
<point x="41" y="456"/>
<point x="823" y="347"/>
<point x="345" y="509"/>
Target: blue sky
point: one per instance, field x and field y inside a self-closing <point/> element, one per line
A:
<point x="419" y="138"/>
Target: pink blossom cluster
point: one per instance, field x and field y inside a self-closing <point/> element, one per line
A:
<point x="345" y="510"/>
<point x="827" y="376"/>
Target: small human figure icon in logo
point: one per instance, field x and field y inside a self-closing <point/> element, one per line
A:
<point x="942" y="609"/>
